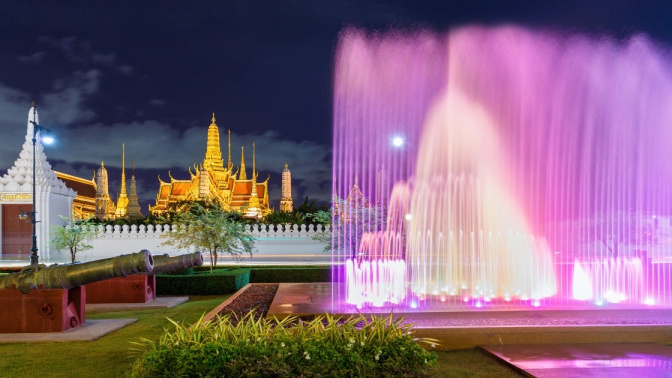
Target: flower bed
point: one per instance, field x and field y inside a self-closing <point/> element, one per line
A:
<point x="323" y="347"/>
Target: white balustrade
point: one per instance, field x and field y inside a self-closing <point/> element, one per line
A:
<point x="274" y="244"/>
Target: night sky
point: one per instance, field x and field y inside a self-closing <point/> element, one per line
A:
<point x="150" y="73"/>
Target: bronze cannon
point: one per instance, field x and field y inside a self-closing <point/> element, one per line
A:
<point x="70" y="276"/>
<point x="165" y="263"/>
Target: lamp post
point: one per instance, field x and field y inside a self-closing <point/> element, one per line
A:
<point x="34" y="259"/>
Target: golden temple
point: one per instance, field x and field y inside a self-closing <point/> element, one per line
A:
<point x="214" y="181"/>
<point x="93" y="198"/>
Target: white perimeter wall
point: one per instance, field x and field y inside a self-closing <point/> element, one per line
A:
<point x="273" y="245"/>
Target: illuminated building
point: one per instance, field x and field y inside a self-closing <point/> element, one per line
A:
<point x="84" y="204"/>
<point x="105" y="208"/>
<point x="127" y="204"/>
<point x="133" y="211"/>
<point x="214" y="181"/>
<point x="122" y="199"/>
<point x="286" y="203"/>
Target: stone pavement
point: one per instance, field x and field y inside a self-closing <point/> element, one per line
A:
<point x="159" y="303"/>
<point x="92" y="329"/>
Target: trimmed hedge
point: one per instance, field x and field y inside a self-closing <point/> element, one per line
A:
<point x="220" y="281"/>
<point x="227" y="280"/>
<point x="283" y="274"/>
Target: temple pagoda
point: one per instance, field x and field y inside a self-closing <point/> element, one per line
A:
<point x="215" y="181"/>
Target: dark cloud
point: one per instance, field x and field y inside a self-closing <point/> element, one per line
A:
<point x="149" y="74"/>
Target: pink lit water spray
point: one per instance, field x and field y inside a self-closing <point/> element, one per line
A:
<point x="501" y="167"/>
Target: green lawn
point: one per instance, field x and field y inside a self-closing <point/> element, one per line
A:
<point x="110" y="356"/>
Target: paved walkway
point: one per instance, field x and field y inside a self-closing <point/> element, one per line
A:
<point x="92" y="329"/>
<point x="159" y="303"/>
<point x="588" y="360"/>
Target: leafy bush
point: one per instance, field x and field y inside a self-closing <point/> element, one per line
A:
<point x="327" y="346"/>
<point x="304" y="274"/>
<point x="219" y="281"/>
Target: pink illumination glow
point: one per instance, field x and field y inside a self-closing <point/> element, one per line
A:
<point x="533" y="170"/>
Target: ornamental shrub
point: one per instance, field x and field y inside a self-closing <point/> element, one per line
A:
<point x="326" y="346"/>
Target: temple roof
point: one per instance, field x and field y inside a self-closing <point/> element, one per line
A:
<point x="84" y="188"/>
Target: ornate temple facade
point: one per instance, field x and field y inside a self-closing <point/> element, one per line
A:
<point x="214" y="180"/>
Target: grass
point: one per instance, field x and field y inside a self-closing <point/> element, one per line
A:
<point x="110" y="356"/>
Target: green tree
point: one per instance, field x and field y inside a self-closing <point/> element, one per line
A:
<point x="320" y="217"/>
<point x="211" y="229"/>
<point x="74" y="235"/>
<point x="284" y="217"/>
<point x="309" y="207"/>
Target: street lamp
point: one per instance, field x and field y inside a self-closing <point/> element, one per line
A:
<point x="25" y="216"/>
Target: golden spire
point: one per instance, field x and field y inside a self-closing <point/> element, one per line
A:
<point x="229" y="166"/>
<point x="213" y="153"/>
<point x="123" y="170"/>
<point x="253" y="208"/>
<point x="122" y="201"/>
<point x="254" y="165"/>
<point x="243" y="174"/>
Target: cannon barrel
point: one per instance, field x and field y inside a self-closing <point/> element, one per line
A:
<point x="70" y="276"/>
<point x="165" y="263"/>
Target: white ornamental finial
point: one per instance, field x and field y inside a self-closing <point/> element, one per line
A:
<point x="32" y="117"/>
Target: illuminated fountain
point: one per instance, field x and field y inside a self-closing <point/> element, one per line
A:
<point x="501" y="167"/>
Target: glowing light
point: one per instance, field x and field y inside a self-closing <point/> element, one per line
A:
<point x="376" y="282"/>
<point x="649" y="302"/>
<point x="536" y="303"/>
<point x="47" y="140"/>
<point x="613" y="297"/>
<point x="478" y="304"/>
<point x="582" y="288"/>
<point x="397" y="141"/>
<point x="408" y="217"/>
